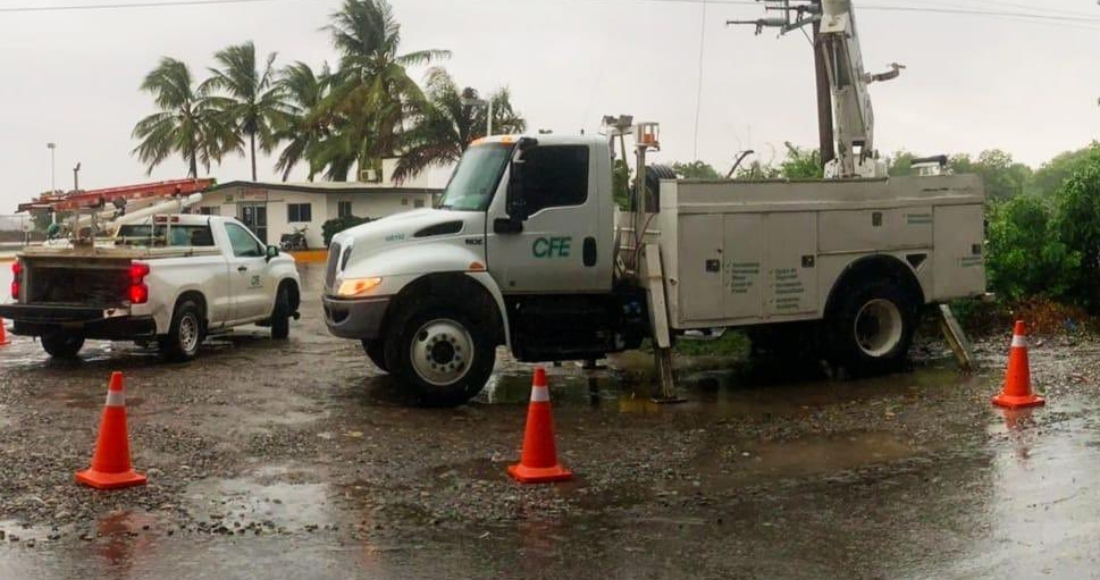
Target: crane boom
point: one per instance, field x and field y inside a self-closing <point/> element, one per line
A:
<point x="837" y="40"/>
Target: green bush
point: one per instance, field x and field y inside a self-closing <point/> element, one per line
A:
<point x="337" y="225"/>
<point x="1025" y="255"/>
<point x="1079" y="229"/>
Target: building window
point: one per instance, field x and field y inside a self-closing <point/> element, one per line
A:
<point x="210" y="210"/>
<point x="404" y="201"/>
<point x="299" y="212"/>
<point x="418" y="203"/>
<point x="343" y="209"/>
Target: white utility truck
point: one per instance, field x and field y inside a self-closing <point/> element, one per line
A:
<point x="172" y="279"/>
<point x="528" y="249"/>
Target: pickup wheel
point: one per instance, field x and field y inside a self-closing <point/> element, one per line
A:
<point x="441" y="353"/>
<point x="873" y="329"/>
<point x="376" y="352"/>
<point x="280" y="317"/>
<point x="185" y="334"/>
<point x="62" y="345"/>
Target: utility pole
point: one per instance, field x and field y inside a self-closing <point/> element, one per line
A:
<point x="53" y="177"/>
<point x="76" y="177"/>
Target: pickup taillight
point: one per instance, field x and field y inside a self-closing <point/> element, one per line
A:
<point x="139" y="292"/>
<point x="16" y="278"/>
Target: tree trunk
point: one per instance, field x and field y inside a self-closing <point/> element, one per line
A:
<point x="252" y="142"/>
<point x="194" y="162"/>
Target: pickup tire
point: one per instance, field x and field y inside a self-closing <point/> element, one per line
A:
<point x="62" y="345"/>
<point x="441" y="352"/>
<point x="280" y="316"/>
<point x="873" y="329"/>
<point x="185" y="333"/>
<point x="376" y="352"/>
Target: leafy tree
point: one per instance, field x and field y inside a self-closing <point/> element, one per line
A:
<point x="188" y="122"/>
<point x="302" y="124"/>
<point x="1003" y="177"/>
<point x="372" y="93"/>
<point x="620" y="184"/>
<point x="252" y="97"/>
<point x="801" y="164"/>
<point x="696" y="170"/>
<point x="756" y="171"/>
<point x="445" y="126"/>
<point x="1052" y="175"/>
<point x="1079" y="217"/>
<point x="1025" y="256"/>
<point x="338" y="224"/>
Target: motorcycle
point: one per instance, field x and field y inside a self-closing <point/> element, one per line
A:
<point x="295" y="240"/>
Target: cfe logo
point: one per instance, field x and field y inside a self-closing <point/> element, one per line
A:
<point x="551" y="247"/>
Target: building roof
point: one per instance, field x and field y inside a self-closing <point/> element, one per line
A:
<point x="325" y="187"/>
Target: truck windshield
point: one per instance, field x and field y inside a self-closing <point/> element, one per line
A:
<point x="476" y="177"/>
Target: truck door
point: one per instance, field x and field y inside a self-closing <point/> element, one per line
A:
<point x="247" y="271"/>
<point x="557" y="250"/>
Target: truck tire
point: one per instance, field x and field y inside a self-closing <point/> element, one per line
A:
<point x="441" y="353"/>
<point x="185" y="333"/>
<point x="280" y="316"/>
<point x="62" y="345"/>
<point x="376" y="352"/>
<point x="873" y="329"/>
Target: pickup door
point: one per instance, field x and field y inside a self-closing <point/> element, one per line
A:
<point x="250" y="283"/>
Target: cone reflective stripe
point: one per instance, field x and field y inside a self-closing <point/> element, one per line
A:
<point x="539" y="459"/>
<point x="111" y="467"/>
<point x="1017" y="388"/>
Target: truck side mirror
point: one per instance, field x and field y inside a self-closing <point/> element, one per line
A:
<point x="272" y="251"/>
<point x="516" y="205"/>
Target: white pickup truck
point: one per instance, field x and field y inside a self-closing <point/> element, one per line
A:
<point x="172" y="279"/>
<point x="528" y="250"/>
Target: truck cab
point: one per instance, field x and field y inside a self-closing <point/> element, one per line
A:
<point x="518" y="252"/>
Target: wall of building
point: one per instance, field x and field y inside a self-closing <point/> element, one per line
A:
<point x="323" y="207"/>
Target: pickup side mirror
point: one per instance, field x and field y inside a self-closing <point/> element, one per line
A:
<point x="272" y="251"/>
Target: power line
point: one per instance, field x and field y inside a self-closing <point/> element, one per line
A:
<point x="699" y="85"/>
<point x="125" y="5"/>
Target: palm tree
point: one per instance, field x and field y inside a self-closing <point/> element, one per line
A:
<point x="447" y="126"/>
<point x="302" y="124"/>
<point x="372" y="93"/>
<point x="188" y="123"/>
<point x="253" y="98"/>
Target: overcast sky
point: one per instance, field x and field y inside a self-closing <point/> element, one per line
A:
<point x="972" y="82"/>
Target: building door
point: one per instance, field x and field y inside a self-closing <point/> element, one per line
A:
<point x="255" y="217"/>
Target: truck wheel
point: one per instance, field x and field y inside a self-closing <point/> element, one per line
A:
<point x="280" y="317"/>
<point x="376" y="352"/>
<point x="63" y="345"/>
<point x="873" y="329"/>
<point x="442" y="354"/>
<point x="185" y="334"/>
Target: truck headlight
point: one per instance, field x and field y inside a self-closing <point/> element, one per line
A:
<point x="357" y="286"/>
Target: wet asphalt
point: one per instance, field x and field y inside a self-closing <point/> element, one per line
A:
<point x="300" y="460"/>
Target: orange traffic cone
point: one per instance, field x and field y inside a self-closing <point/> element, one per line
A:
<point x="3" y="334"/>
<point x="539" y="462"/>
<point x="111" y="467"/>
<point x="1017" y="388"/>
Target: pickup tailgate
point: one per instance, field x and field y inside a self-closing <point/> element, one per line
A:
<point x="77" y="288"/>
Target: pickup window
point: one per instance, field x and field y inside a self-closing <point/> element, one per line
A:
<point x="244" y="245"/>
<point x="161" y="235"/>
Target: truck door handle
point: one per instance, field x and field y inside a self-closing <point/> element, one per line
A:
<point x="589" y="251"/>
<point x="242" y="268"/>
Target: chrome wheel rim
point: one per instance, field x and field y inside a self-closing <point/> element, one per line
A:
<point x="441" y="352"/>
<point x="878" y="327"/>
<point x="189" y="333"/>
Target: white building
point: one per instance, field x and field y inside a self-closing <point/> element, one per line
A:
<point x="272" y="209"/>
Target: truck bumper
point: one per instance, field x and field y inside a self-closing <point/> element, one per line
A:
<point x="359" y="319"/>
<point x="90" y="322"/>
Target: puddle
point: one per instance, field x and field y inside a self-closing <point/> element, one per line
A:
<point x="804" y="457"/>
<point x="249" y="503"/>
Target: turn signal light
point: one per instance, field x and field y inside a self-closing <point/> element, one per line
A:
<point x="356" y="286"/>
